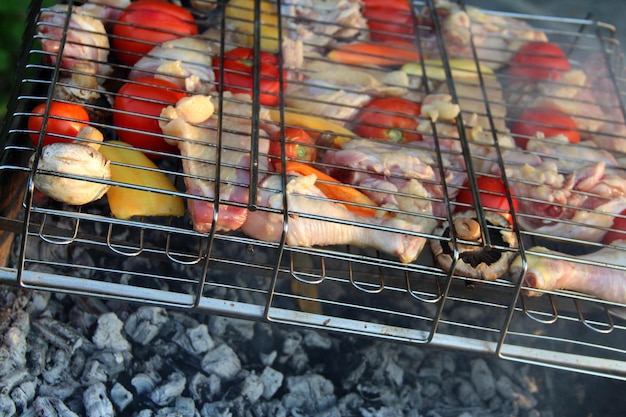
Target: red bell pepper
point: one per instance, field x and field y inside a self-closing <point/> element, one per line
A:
<point x="298" y="145"/>
<point x="389" y="118"/>
<point x="239" y="70"/>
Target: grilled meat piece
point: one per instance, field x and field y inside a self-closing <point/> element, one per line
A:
<point x="397" y="176"/>
<point x="577" y="204"/>
<point x="184" y="61"/>
<point x="319" y="23"/>
<point x="495" y="38"/>
<point x="86" y="39"/>
<point x="314" y="220"/>
<point x="192" y="127"/>
<point x="596" y="274"/>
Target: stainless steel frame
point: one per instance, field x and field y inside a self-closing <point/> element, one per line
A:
<point x="85" y="251"/>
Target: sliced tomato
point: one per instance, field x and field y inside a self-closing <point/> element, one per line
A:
<point x="239" y="70"/>
<point x="138" y="106"/>
<point x="538" y="61"/>
<point x="403" y="5"/>
<point x="389" y="118"/>
<point x="147" y="23"/>
<point x="618" y="229"/>
<point x="389" y="25"/>
<point x="492" y="196"/>
<point x="64" y="122"/>
<point x="547" y="120"/>
<point x="299" y="145"/>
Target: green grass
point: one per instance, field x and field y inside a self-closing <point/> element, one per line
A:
<point x="12" y="17"/>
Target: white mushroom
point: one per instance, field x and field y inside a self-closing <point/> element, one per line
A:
<point x="72" y="159"/>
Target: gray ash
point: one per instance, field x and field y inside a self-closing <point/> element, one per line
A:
<point x="68" y="356"/>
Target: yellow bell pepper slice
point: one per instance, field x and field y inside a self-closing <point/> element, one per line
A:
<point x="460" y="68"/>
<point x="313" y="124"/>
<point x="241" y="14"/>
<point x="127" y="202"/>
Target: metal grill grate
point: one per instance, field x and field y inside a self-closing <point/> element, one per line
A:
<point x="84" y="250"/>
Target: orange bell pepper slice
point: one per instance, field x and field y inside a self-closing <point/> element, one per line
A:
<point x="357" y="202"/>
<point x="381" y="54"/>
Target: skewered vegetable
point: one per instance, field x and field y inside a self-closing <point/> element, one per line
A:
<point x="147" y="23"/>
<point x="82" y="87"/>
<point x="381" y="54"/>
<point x="315" y="126"/>
<point x="492" y="197"/>
<point x="389" y="118"/>
<point x="435" y="69"/>
<point x="64" y="158"/>
<point x="298" y="145"/>
<point x="475" y="259"/>
<point x="548" y="121"/>
<point x="240" y="13"/>
<point x="138" y="107"/>
<point x="356" y="201"/>
<point x="64" y="122"/>
<point x="390" y="24"/>
<point x="538" y="61"/>
<point x="132" y="167"/>
<point x="239" y="67"/>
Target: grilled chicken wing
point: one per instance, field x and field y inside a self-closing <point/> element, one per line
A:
<point x="596" y="274"/>
<point x="314" y="220"/>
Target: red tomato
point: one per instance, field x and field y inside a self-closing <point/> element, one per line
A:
<point x="66" y="119"/>
<point x="298" y="145"/>
<point x="138" y="107"/>
<point x="147" y="23"/>
<point x="389" y="118"/>
<point x="403" y="5"/>
<point x="389" y="24"/>
<point x="238" y="74"/>
<point x="539" y="61"/>
<point x="619" y="230"/>
<point x="492" y="196"/>
<point x="548" y="120"/>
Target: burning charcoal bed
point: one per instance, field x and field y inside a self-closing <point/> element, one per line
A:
<point x="276" y="199"/>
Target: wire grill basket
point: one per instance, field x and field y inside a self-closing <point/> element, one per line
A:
<point x="346" y="285"/>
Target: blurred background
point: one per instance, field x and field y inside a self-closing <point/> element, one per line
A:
<point x="12" y="17"/>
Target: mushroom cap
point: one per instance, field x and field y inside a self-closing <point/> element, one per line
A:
<point x="475" y="260"/>
<point x="64" y="158"/>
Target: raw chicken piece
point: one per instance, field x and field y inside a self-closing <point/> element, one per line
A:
<point x="337" y="91"/>
<point x="611" y="135"/>
<point x="576" y="205"/>
<point x="319" y="23"/>
<point x="495" y="37"/>
<point x="198" y="145"/>
<point x="328" y="222"/>
<point x="105" y="10"/>
<point x="563" y="190"/>
<point x="325" y="100"/>
<point x="596" y="274"/>
<point x="185" y="61"/>
<point x="397" y="176"/>
<point x="86" y="39"/>
<point x="477" y="109"/>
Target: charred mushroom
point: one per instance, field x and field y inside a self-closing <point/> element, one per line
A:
<point x="82" y="87"/>
<point x="476" y="260"/>
<point x="73" y="159"/>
